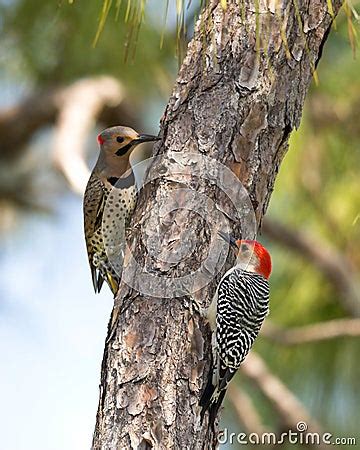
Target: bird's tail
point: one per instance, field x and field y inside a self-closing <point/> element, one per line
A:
<point x="113" y="283"/>
<point x="213" y="395"/>
<point x="211" y="400"/>
<point x="214" y="409"/>
<point x="206" y="397"/>
<point x="97" y="279"/>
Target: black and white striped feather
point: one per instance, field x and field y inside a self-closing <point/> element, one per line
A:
<point x="241" y="305"/>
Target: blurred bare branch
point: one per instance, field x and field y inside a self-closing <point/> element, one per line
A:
<point x="332" y="264"/>
<point x="80" y="105"/>
<point x="18" y="123"/>
<point x="285" y="403"/>
<point x="246" y="411"/>
<point x="310" y="333"/>
<point x="74" y="110"/>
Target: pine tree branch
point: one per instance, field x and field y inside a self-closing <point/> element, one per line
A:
<point x="332" y="264"/>
<point x="81" y="104"/>
<point x="284" y="402"/>
<point x="18" y="123"/>
<point x="246" y="411"/>
<point x="311" y="333"/>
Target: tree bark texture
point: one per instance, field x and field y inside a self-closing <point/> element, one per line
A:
<point x="239" y="93"/>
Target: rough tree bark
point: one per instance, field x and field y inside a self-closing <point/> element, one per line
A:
<point x="236" y="99"/>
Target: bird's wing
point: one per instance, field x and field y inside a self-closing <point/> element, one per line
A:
<point x="242" y="305"/>
<point x="94" y="202"/>
<point x="229" y="318"/>
<point x="231" y="311"/>
<point x="239" y="319"/>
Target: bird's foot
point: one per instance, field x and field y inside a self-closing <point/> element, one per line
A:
<point x="192" y="304"/>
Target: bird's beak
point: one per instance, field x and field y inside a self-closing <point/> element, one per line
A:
<point x="229" y="239"/>
<point x="146" y="138"/>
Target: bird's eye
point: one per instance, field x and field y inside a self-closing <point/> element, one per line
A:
<point x="244" y="248"/>
<point x="120" y="139"/>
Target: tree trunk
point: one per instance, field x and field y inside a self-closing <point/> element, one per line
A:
<point x="239" y="93"/>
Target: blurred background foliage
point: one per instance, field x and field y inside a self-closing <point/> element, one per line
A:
<point x="49" y="45"/>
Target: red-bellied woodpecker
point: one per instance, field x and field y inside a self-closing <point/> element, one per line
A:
<point x="112" y="180"/>
<point x="236" y="313"/>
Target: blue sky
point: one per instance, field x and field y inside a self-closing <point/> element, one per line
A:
<point x="52" y="333"/>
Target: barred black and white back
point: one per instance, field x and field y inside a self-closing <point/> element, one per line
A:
<point x="241" y="304"/>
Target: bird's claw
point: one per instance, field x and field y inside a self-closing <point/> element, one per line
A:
<point x="193" y="304"/>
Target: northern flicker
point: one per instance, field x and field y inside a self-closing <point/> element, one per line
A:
<point x="109" y="201"/>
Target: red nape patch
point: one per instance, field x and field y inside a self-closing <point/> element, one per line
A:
<point x="264" y="258"/>
<point x="100" y="139"/>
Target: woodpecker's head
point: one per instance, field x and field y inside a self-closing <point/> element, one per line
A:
<point x="120" y="141"/>
<point x="251" y="255"/>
